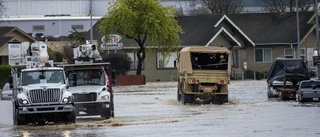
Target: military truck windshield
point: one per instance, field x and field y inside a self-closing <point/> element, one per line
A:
<point x="88" y="77"/>
<point x="42" y="76"/>
<point x="209" y="61"/>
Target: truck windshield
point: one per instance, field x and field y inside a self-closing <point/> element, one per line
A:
<point x="42" y="76"/>
<point x="88" y="77"/>
<point x="209" y="61"/>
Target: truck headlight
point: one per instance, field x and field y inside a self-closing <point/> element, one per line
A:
<point x="66" y="99"/>
<point x="106" y="97"/>
<point x="23" y="101"/>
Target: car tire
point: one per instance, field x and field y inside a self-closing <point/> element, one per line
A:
<point x="299" y="98"/>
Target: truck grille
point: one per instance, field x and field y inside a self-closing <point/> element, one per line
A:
<point x="45" y="96"/>
<point x="85" y="97"/>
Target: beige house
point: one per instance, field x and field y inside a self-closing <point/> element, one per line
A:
<point x="10" y="34"/>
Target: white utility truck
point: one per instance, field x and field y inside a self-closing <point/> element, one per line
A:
<point x="90" y="84"/>
<point x="40" y="93"/>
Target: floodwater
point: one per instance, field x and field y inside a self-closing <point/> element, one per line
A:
<point x="152" y="110"/>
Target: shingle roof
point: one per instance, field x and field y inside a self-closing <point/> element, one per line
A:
<point x="5" y="30"/>
<point x="272" y="27"/>
<point x="198" y="30"/>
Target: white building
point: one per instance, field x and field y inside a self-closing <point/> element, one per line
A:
<point x="58" y="17"/>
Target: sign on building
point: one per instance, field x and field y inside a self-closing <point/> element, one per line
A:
<point x="113" y="43"/>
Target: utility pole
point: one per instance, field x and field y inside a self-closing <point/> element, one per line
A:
<point x="317" y="33"/>
<point x="298" y="30"/>
<point x="91" y="33"/>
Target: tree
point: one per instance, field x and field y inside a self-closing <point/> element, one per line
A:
<point x="223" y="6"/>
<point x="144" y="21"/>
<point x="285" y="5"/>
<point x="2" y="8"/>
<point x="118" y="62"/>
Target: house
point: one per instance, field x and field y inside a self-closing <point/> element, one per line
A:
<point x="11" y="34"/>
<point x="255" y="39"/>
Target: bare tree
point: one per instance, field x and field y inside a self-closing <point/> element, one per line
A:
<point x="223" y="6"/>
<point x="2" y="8"/>
<point x="286" y="5"/>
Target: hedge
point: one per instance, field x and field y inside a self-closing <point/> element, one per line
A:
<point x="5" y="72"/>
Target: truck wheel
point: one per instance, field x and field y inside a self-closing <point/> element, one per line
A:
<point x="183" y="99"/>
<point x="222" y="99"/>
<point x="178" y="95"/>
<point x="112" y="107"/>
<point x="19" y="119"/>
<point x="70" y="118"/>
<point x="180" y="91"/>
<point x="106" y="114"/>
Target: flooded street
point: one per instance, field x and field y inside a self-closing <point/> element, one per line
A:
<point x="152" y="110"/>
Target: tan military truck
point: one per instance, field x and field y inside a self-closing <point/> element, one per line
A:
<point x="204" y="74"/>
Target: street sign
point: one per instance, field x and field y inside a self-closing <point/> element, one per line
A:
<point x="316" y="60"/>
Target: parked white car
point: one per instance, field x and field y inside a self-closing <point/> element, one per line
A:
<point x="6" y="92"/>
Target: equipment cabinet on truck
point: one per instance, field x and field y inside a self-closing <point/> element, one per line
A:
<point x="284" y="77"/>
<point x="204" y="74"/>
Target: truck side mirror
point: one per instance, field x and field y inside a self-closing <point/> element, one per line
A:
<point x="74" y="78"/>
<point x="11" y="82"/>
<point x="175" y="64"/>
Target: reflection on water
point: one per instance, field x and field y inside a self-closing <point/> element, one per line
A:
<point x="66" y="133"/>
<point x="25" y="133"/>
<point x="157" y="112"/>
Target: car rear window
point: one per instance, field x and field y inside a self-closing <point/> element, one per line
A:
<point x="310" y="84"/>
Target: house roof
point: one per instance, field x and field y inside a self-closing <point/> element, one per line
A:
<point x="272" y="28"/>
<point x="198" y="30"/>
<point x="5" y="30"/>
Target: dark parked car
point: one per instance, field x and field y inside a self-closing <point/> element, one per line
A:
<point x="309" y="90"/>
<point x="6" y="92"/>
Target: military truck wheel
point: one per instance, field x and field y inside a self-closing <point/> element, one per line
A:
<point x="19" y="119"/>
<point x="179" y="91"/>
<point x="178" y="95"/>
<point x="222" y="99"/>
<point x="183" y="99"/>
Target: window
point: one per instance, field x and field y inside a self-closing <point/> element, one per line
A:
<point x="167" y="62"/>
<point x="133" y="60"/>
<point x="38" y="28"/>
<point x="303" y="54"/>
<point x="262" y="55"/>
<point x="77" y="27"/>
<point x="288" y="53"/>
<point x="235" y="62"/>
